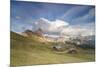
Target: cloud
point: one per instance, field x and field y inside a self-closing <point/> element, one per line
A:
<point x="49" y="26"/>
<point x="78" y="30"/>
<point x="63" y="28"/>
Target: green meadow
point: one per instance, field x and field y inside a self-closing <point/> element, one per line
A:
<point x="30" y="51"/>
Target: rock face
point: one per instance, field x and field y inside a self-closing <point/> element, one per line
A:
<point x="65" y="48"/>
<point x="72" y="51"/>
<point x="28" y="32"/>
<point x="59" y="47"/>
<point x="38" y="32"/>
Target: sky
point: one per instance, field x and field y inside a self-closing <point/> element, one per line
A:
<point x="53" y="18"/>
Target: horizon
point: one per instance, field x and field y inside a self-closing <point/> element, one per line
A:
<point x="70" y="19"/>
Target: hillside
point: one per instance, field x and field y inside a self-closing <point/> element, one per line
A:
<point x="30" y="51"/>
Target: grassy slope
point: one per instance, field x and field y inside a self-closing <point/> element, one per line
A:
<point x="29" y="51"/>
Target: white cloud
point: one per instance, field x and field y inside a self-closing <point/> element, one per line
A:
<point x="58" y="25"/>
<point x="63" y="28"/>
<point x="50" y="26"/>
<point x="75" y="31"/>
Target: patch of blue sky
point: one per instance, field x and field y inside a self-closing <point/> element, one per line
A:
<point x="26" y="13"/>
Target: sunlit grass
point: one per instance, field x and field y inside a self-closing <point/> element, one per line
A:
<point x="26" y="51"/>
